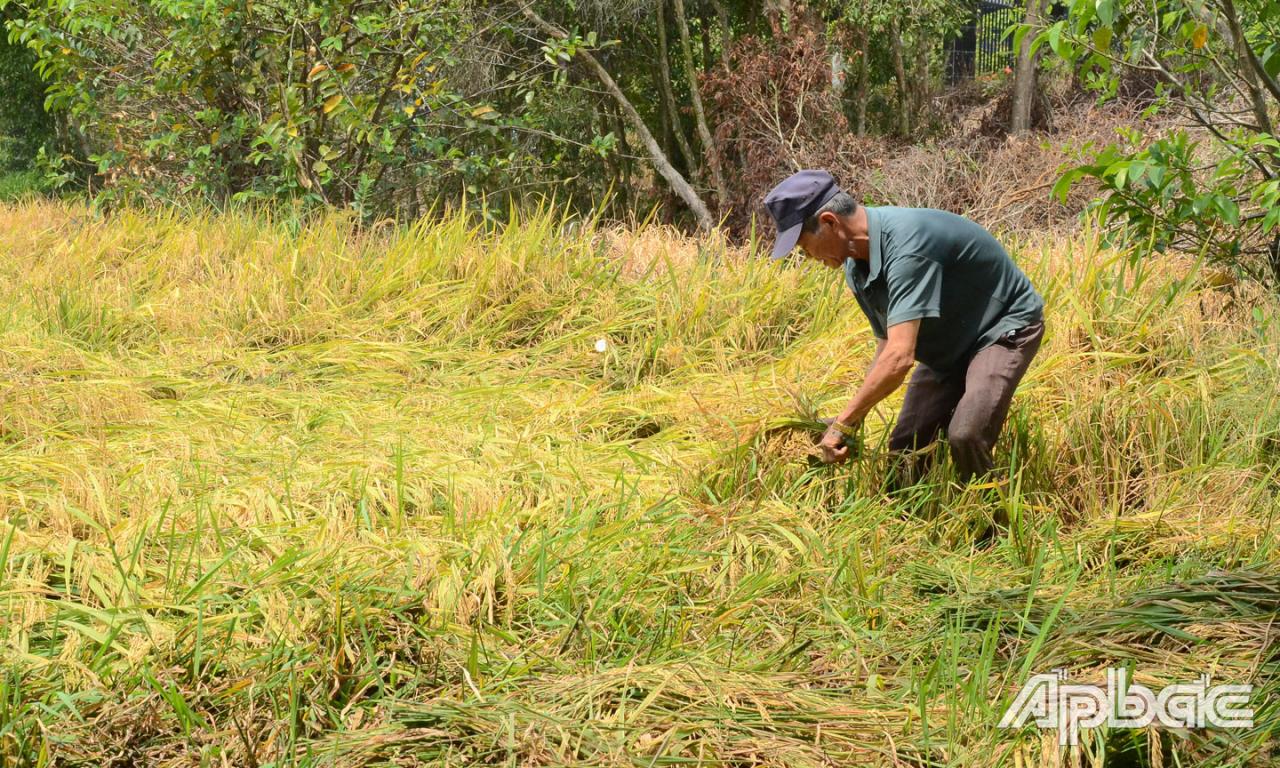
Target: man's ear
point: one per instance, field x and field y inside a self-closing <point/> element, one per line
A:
<point x="828" y="218"/>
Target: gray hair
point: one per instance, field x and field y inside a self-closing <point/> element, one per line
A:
<point x="842" y="204"/>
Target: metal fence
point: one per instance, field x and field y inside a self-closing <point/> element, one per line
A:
<point x="982" y="47"/>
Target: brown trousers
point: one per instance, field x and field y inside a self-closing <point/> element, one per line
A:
<point x="969" y="405"/>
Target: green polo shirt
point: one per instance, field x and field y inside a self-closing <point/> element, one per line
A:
<point x="946" y="270"/>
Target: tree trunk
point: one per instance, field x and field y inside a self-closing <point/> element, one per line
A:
<point x="668" y="97"/>
<point x="839" y="71"/>
<point x="664" y="124"/>
<point x="922" y="82"/>
<point x="704" y="32"/>
<point x="1249" y="68"/>
<point x="660" y="162"/>
<point x="864" y="77"/>
<point x="415" y="201"/>
<point x="900" y="73"/>
<point x="624" y="153"/>
<point x="726" y="32"/>
<point x="699" y="115"/>
<point x="1024" y="79"/>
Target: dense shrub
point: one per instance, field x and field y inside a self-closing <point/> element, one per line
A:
<point x="25" y="127"/>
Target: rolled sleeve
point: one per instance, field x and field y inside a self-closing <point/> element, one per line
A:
<point x="915" y="289"/>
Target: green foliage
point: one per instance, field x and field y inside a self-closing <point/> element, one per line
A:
<point x="374" y="106"/>
<point x="1214" y="190"/>
<point x="389" y="107"/>
<point x="918" y="28"/>
<point x="25" y="127"/>
<point x="243" y="99"/>
<point x="15" y="185"/>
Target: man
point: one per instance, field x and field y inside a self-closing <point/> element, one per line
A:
<point x="937" y="289"/>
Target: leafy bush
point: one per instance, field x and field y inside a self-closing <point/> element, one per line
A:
<point x="1214" y="190"/>
<point x="25" y="127"/>
<point x="375" y="106"/>
<point x="15" y="185"/>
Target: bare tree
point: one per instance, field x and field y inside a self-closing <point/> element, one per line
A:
<point x="900" y="73"/>
<point x="699" y="114"/>
<point x="668" y="97"/>
<point x="661" y="163"/>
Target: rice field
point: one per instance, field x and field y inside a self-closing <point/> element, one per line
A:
<point x="293" y="492"/>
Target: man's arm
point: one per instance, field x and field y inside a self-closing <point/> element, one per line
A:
<point x="875" y="356"/>
<point x="889" y="368"/>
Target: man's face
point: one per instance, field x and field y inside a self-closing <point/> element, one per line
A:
<point x="830" y="245"/>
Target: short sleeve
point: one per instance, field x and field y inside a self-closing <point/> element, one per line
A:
<point x="915" y="289"/>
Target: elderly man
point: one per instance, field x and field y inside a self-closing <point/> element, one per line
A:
<point x="937" y="289"/>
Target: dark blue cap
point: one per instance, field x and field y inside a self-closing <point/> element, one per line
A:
<point x="797" y="198"/>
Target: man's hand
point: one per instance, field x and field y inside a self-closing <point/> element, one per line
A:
<point x="833" y="448"/>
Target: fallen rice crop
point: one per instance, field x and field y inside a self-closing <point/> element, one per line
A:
<point x="285" y="492"/>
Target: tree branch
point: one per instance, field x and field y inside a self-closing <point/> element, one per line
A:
<point x="656" y="156"/>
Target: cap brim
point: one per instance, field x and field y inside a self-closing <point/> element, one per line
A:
<point x="786" y="242"/>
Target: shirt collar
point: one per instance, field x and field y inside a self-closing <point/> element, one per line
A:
<point x="852" y="273"/>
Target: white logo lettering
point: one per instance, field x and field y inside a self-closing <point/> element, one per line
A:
<point x="1050" y="701"/>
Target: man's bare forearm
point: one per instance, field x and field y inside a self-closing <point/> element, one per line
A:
<point x="874" y="357"/>
<point x="889" y="368"/>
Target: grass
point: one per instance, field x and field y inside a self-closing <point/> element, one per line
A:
<point x="282" y="493"/>
<point x="15" y="185"/>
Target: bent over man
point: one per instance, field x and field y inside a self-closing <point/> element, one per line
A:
<point x="938" y="290"/>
